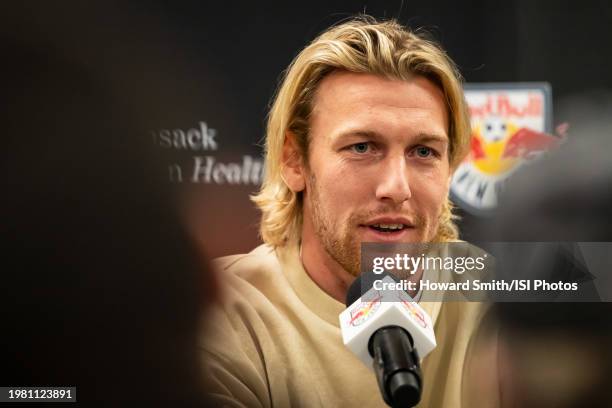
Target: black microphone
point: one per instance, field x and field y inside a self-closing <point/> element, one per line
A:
<point x="381" y="328"/>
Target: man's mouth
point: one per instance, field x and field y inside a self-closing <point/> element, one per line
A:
<point x="388" y="228"/>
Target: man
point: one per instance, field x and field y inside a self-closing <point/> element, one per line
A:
<point x="363" y="136"/>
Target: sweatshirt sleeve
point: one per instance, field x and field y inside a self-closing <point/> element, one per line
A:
<point x="233" y="364"/>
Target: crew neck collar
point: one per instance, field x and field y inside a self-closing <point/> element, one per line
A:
<point x="316" y="299"/>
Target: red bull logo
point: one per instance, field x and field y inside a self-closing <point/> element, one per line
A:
<point x="364" y="311"/>
<point x="417" y="315"/>
<point x="509" y="128"/>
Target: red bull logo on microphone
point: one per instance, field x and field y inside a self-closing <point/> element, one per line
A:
<point x="364" y="310"/>
<point x="511" y="125"/>
<point x="416" y="314"/>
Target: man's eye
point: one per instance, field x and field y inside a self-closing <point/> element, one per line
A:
<point x="424" y="151"/>
<point x="360" y="147"/>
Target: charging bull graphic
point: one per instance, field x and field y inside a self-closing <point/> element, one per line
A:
<point x="508" y="130"/>
<point x="498" y="145"/>
<point x="416" y="314"/>
<point x="364" y="310"/>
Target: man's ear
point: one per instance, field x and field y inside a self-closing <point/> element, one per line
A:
<point x="292" y="166"/>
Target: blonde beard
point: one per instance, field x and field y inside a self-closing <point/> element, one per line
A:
<point x="345" y="250"/>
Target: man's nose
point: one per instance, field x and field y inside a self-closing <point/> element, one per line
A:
<point x="393" y="181"/>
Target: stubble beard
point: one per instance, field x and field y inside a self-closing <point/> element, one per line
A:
<point x="340" y="245"/>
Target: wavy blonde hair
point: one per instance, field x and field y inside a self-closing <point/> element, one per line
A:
<point x="361" y="45"/>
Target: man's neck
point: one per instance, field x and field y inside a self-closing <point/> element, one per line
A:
<point x="328" y="274"/>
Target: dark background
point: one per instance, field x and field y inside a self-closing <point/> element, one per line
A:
<point x="175" y="64"/>
<point x="233" y="53"/>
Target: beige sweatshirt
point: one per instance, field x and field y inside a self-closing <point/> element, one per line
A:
<point x="275" y="342"/>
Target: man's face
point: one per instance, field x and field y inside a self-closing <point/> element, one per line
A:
<point x="378" y="168"/>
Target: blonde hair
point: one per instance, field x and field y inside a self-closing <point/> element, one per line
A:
<point x="361" y="45"/>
